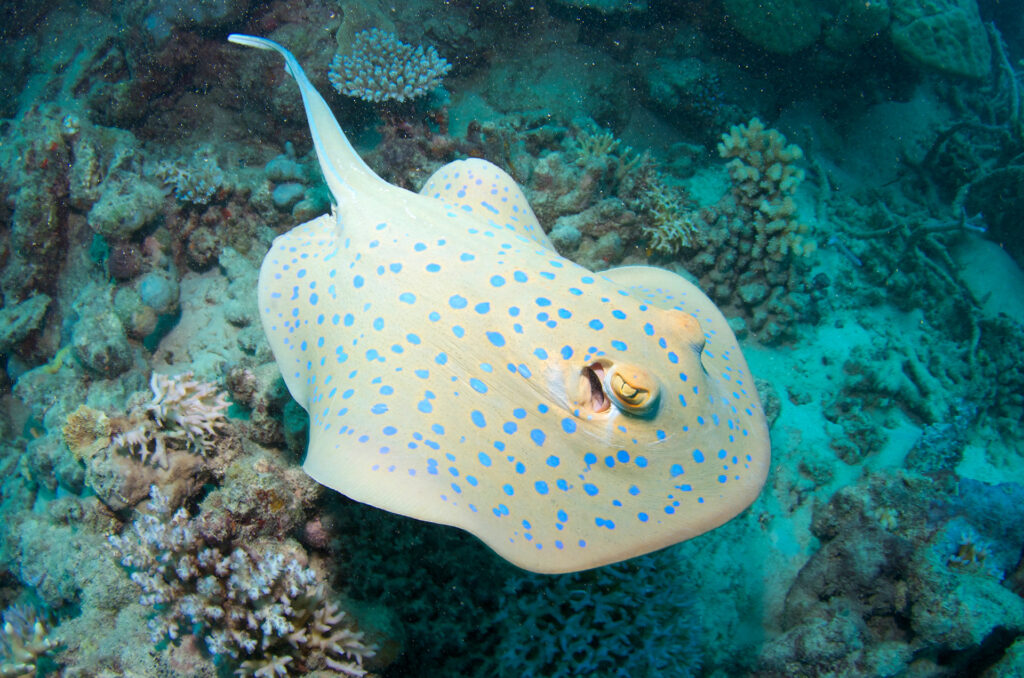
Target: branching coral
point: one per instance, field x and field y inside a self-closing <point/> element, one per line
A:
<point x="602" y="147"/>
<point x="25" y="639"/>
<point x="183" y="414"/>
<point x="765" y="177"/>
<point x="259" y="605"/>
<point x="382" y="67"/>
<point x="747" y="256"/>
<point x="671" y="224"/>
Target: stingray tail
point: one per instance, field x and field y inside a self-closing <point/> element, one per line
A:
<point x="342" y="167"/>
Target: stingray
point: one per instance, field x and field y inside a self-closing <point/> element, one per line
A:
<point x="457" y="370"/>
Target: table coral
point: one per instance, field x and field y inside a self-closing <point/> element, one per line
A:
<point x="383" y="68"/>
<point x="261" y="605"/>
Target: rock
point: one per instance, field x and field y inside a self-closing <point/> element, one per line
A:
<point x="565" y="237"/>
<point x="946" y="35"/>
<point x="780" y="26"/>
<point x="125" y="207"/>
<point x="286" y="195"/>
<point x="855" y="23"/>
<point x="100" y="344"/>
<point x="159" y="290"/>
<point x="18" y="320"/>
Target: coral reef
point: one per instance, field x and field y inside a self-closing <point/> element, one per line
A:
<point x="883" y="596"/>
<point x="383" y="68"/>
<point x="137" y="199"/>
<point x="261" y="606"/>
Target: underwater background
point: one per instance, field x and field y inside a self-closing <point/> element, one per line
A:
<point x="844" y="178"/>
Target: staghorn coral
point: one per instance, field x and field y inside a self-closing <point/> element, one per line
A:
<point x="382" y="68"/>
<point x="24" y="641"/>
<point x="260" y="606"/>
<point x="183" y="414"/>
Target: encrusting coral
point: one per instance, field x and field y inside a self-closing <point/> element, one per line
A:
<point x="260" y="605"/>
<point x="382" y="67"/>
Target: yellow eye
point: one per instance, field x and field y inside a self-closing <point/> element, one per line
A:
<point x="634" y="390"/>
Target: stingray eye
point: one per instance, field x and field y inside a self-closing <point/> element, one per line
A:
<point x="633" y="389"/>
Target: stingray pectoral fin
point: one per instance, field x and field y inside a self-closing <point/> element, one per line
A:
<point x="282" y="289"/>
<point x="344" y="171"/>
<point x="483" y="189"/>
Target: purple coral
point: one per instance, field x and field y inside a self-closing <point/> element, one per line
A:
<point x="260" y="605"/>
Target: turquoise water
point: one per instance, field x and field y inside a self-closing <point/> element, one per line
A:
<point x="843" y="180"/>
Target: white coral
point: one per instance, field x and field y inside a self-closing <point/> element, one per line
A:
<point x="257" y="604"/>
<point x="382" y="67"/>
<point x="183" y="414"/>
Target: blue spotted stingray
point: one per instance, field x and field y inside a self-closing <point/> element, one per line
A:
<point x="456" y="369"/>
